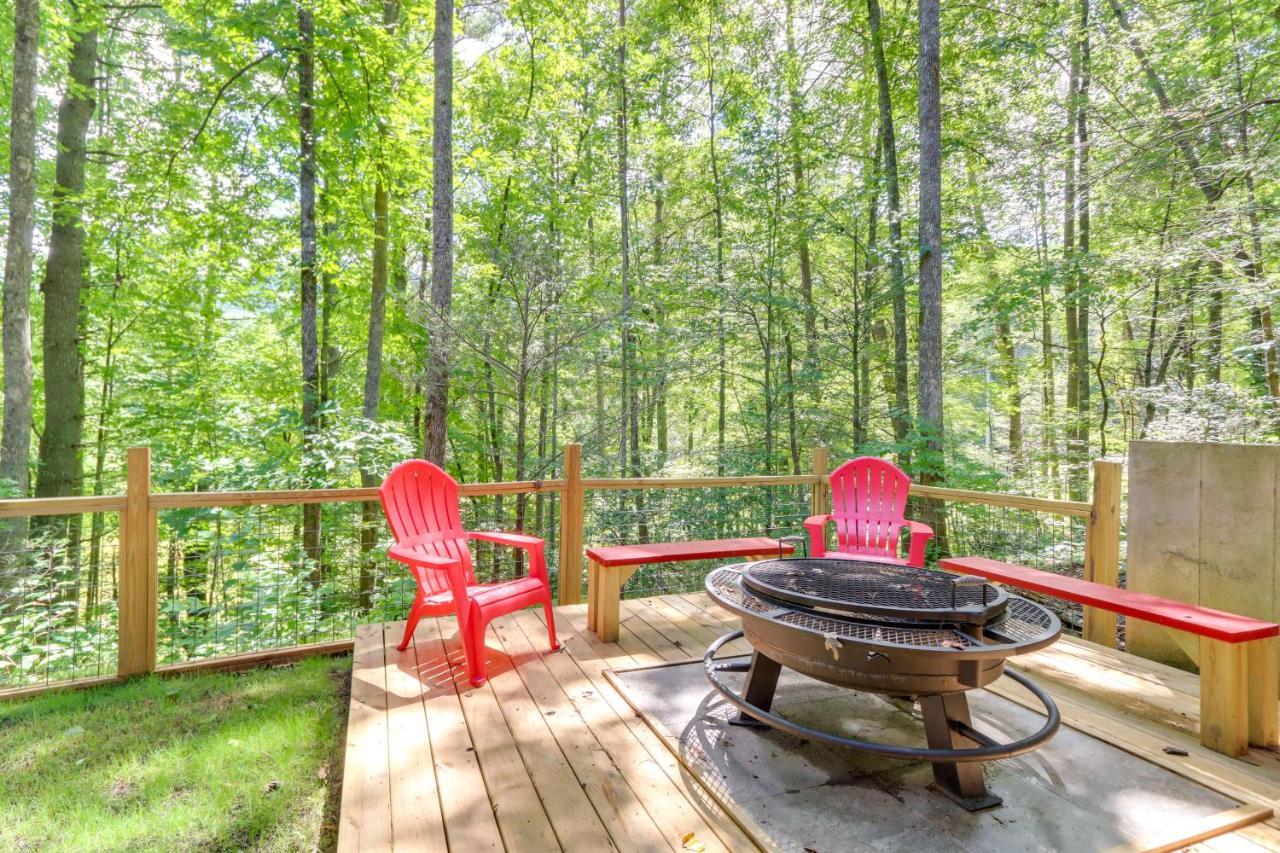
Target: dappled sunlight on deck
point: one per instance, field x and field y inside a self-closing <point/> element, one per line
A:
<point x="549" y="755"/>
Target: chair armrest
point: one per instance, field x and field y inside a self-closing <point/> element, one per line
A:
<point x="817" y="527"/>
<point x="531" y="544"/>
<point x="503" y="537"/>
<point x="420" y="564"/>
<point x="921" y="533"/>
<point x="410" y="557"/>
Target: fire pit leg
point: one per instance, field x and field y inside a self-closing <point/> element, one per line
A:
<point x="762" y="681"/>
<point x="961" y="781"/>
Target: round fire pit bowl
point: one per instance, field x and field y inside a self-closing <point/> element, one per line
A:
<point x="919" y="634"/>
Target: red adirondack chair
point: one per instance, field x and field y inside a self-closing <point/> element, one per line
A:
<point x="868" y="502"/>
<point x="421" y="504"/>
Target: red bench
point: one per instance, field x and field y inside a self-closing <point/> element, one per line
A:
<point x="1238" y="656"/>
<point x="608" y="568"/>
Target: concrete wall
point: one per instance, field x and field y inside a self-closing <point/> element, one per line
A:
<point x="1203" y="525"/>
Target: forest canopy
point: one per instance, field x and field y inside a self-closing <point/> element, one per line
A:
<point x="685" y="234"/>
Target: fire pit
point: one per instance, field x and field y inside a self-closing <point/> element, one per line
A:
<point x="913" y="633"/>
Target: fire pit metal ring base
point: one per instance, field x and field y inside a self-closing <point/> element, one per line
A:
<point x="946" y="721"/>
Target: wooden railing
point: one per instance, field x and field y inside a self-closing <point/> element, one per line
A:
<point x="138" y="507"/>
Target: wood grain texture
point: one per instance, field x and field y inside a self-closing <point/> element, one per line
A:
<point x="571" y="524"/>
<point x="601" y="778"/>
<point x="1224" y="697"/>
<point x="1102" y="547"/>
<point x="138" y="604"/>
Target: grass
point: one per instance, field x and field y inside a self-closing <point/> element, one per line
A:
<point x="247" y="761"/>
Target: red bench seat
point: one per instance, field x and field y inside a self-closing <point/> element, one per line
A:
<point x="607" y="569"/>
<point x="1239" y="671"/>
<point x="1217" y="624"/>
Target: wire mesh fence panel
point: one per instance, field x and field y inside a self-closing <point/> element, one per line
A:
<point x="58" y="589"/>
<point x="536" y="515"/>
<point x="1053" y="543"/>
<point x="233" y="580"/>
<point x="629" y="516"/>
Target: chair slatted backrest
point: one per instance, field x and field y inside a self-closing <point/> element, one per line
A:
<point x="420" y="501"/>
<point x="869" y="504"/>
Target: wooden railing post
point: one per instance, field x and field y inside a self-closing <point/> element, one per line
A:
<point x="138" y="607"/>
<point x="571" y="522"/>
<point x="818" y="467"/>
<point x="1102" y="547"/>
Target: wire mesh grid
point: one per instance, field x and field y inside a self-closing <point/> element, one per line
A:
<point x="58" y="591"/>
<point x="674" y="515"/>
<point x="233" y="580"/>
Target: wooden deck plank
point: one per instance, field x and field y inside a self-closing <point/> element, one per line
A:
<point x="662" y="797"/>
<point x="557" y="741"/>
<point x="417" y="821"/>
<point x="521" y="816"/>
<point x="594" y="657"/>
<point x="666" y="642"/>
<point x="628" y="643"/>
<point x="691" y="644"/>
<point x="365" y="822"/>
<point x="604" y="782"/>
<point x="574" y="819"/>
<point x="469" y="823"/>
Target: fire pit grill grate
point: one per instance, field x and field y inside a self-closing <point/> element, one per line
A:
<point x="917" y="638"/>
<point x="873" y="589"/>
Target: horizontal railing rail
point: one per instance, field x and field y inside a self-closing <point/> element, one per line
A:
<point x="139" y="546"/>
<point x="79" y="505"/>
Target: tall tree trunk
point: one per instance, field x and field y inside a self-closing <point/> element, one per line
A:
<point x="377" y="302"/>
<point x="659" y="205"/>
<point x="721" y="364"/>
<point x="372" y="398"/>
<point x="795" y="120"/>
<point x="441" y="235"/>
<point x="311" y="533"/>
<point x="58" y="471"/>
<point x="330" y="355"/>
<point x="930" y="354"/>
<point x="930" y="238"/>
<point x="106" y="401"/>
<point x="15" y="443"/>
<point x="1080" y="353"/>
<point x="630" y="421"/>
<point x="863" y="295"/>
<point x="1213" y="321"/>
<point x="793" y="440"/>
<point x="900" y="413"/>
<point x="1071" y="281"/>
<point x="1048" y="390"/>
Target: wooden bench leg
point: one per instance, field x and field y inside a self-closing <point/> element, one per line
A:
<point x="1224" y="696"/>
<point x="1263" y="674"/>
<point x="593" y="590"/>
<point x="609" y="605"/>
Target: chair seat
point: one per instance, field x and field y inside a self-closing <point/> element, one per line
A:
<point x="489" y="594"/>
<point x="866" y="558"/>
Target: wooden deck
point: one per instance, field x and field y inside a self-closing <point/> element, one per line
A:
<point x="549" y="756"/>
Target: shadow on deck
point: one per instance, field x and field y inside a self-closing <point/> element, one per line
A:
<point x="549" y="756"/>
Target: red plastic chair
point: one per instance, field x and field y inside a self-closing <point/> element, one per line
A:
<point x="868" y="502"/>
<point x="421" y="504"/>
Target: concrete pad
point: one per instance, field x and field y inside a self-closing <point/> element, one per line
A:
<point x="1076" y="793"/>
